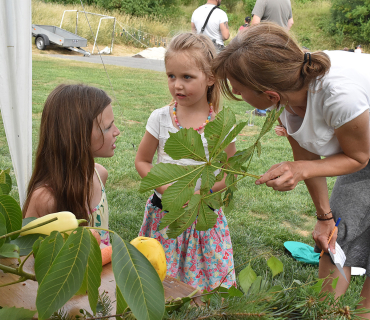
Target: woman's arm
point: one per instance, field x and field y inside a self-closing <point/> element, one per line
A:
<point x="354" y="140"/>
<point x="144" y="157"/>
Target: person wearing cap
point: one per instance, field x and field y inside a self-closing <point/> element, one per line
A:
<point x="247" y="21"/>
<point x="326" y="95"/>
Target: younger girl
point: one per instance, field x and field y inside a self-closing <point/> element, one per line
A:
<point x="77" y="125"/>
<point x="200" y="258"/>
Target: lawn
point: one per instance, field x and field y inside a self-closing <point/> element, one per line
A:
<point x="262" y="219"/>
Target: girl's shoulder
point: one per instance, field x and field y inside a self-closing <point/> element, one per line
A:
<point x="103" y="173"/>
<point x="42" y="202"/>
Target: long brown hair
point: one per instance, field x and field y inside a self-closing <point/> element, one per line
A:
<point x="265" y="57"/>
<point x="64" y="161"/>
<point x="201" y="49"/>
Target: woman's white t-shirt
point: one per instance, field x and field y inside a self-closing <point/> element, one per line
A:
<point x="340" y="96"/>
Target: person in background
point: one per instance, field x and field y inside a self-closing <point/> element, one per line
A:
<point x="247" y="21"/>
<point x="202" y="259"/>
<point x="326" y="95"/>
<point x="213" y="22"/>
<point x="77" y="126"/>
<point x="278" y="11"/>
<point x="358" y="49"/>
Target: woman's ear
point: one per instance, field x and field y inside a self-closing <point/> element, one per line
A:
<point x="273" y="96"/>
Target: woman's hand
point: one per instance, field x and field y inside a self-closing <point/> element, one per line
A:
<point x="321" y="235"/>
<point x="283" y="176"/>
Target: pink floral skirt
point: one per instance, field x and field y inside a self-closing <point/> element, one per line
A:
<point x="202" y="259"/>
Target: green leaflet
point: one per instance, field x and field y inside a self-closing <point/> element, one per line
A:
<point x="65" y="275"/>
<point x="94" y="269"/>
<point x="12" y="213"/>
<point x="217" y="130"/>
<point x="121" y="303"/>
<point x="46" y="253"/>
<point x="137" y="280"/>
<point x="177" y="194"/>
<point x="275" y="265"/>
<point x="3" y="229"/>
<point x="208" y="177"/>
<point x="207" y="218"/>
<point x="5" y="182"/>
<point x="25" y="243"/>
<point x="269" y="122"/>
<point x="185" y="220"/>
<point x="246" y="277"/>
<point x="16" y="313"/>
<point x="185" y="144"/>
<point x="164" y="173"/>
<point x="9" y="250"/>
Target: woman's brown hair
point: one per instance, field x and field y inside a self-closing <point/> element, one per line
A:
<point x="265" y="57"/>
<point x="64" y="161"/>
<point x="201" y="49"/>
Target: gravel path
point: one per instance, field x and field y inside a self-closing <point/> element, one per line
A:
<point x="140" y="63"/>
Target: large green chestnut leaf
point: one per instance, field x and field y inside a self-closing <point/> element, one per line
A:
<point x="25" y="243"/>
<point x="138" y="281"/>
<point x="65" y="275"/>
<point x="16" y="313"/>
<point x="3" y="229"/>
<point x="12" y="213"/>
<point x="94" y="269"/>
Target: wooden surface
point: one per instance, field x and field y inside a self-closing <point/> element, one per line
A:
<point x="24" y="294"/>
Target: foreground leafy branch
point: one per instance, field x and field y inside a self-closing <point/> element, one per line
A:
<point x="187" y="144"/>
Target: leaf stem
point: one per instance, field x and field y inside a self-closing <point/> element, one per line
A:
<point x="21" y="279"/>
<point x="18" y="272"/>
<point x="29" y="228"/>
<point x="245" y="174"/>
<point x="24" y="260"/>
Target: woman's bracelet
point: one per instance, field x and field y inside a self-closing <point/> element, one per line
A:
<point x="323" y="215"/>
<point x="325" y="219"/>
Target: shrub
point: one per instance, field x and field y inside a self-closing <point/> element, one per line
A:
<point x="350" y="18"/>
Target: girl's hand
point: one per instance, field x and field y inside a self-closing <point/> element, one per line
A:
<point x="283" y="176"/>
<point x="321" y="235"/>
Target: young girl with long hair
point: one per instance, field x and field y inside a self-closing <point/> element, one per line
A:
<point x="202" y="259"/>
<point x="77" y="125"/>
<point x="326" y="95"/>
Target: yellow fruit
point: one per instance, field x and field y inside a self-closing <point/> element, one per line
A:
<point x="66" y="220"/>
<point x="153" y="251"/>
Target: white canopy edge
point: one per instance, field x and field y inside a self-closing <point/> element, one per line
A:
<point x="16" y="86"/>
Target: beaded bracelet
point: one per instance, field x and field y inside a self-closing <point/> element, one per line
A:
<point x="325" y="219"/>
<point x="323" y="215"/>
<point x="210" y="190"/>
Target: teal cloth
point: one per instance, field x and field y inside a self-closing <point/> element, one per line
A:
<point x="302" y="252"/>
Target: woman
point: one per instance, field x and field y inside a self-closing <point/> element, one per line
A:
<point x="326" y="97"/>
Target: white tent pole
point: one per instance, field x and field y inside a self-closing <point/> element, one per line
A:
<point x="16" y="86"/>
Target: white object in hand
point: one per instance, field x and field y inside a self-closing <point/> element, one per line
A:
<point x="339" y="258"/>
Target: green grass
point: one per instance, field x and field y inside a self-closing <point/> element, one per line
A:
<point x="262" y="219"/>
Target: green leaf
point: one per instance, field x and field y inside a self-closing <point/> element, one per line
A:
<point x="240" y="157"/>
<point x="230" y="182"/>
<point x="9" y="250"/>
<point x="181" y="191"/>
<point x="165" y="173"/>
<point x="47" y="252"/>
<point x="334" y="283"/>
<point x="83" y="288"/>
<point x="25" y="243"/>
<point x="121" y="303"/>
<point x="318" y="285"/>
<point x="65" y="275"/>
<point x="232" y="135"/>
<point x="229" y="194"/>
<point x="185" y="144"/>
<point x="217" y="130"/>
<point x="259" y="148"/>
<point x="275" y="265"/>
<point x="269" y="122"/>
<point x="234" y="292"/>
<point x="138" y="281"/>
<point x="12" y="213"/>
<point x="16" y="313"/>
<point x="186" y="219"/>
<point x="207" y="218"/>
<point x="256" y="286"/>
<point x="246" y="277"/>
<point x="94" y="270"/>
<point x="5" y="182"/>
<point x="214" y="200"/>
<point x="208" y="177"/>
<point x="3" y="229"/>
<point x="36" y="245"/>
